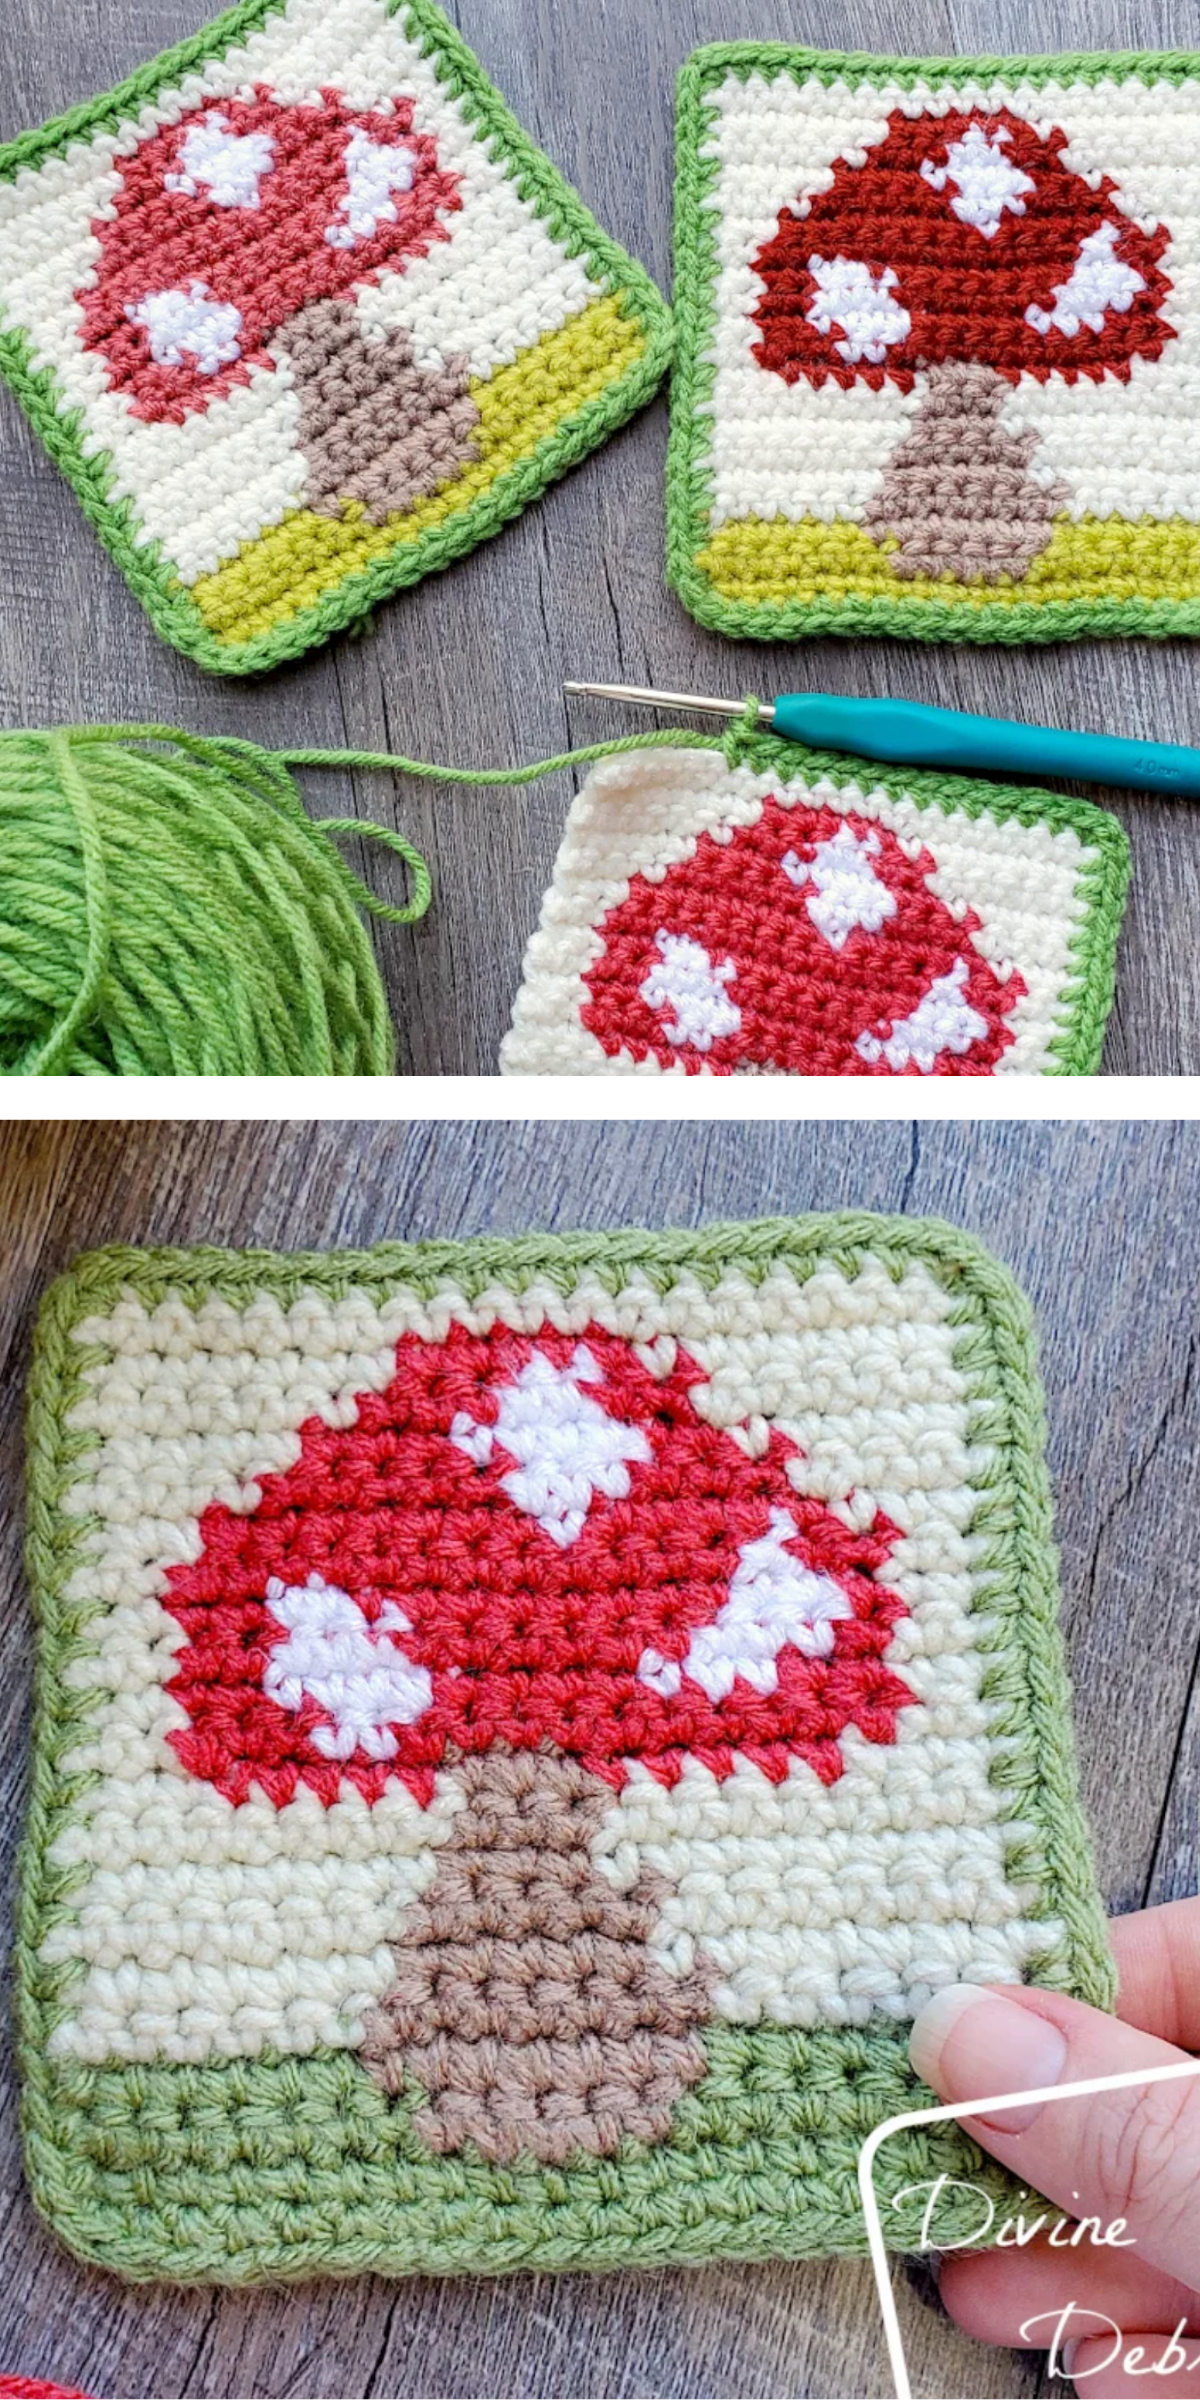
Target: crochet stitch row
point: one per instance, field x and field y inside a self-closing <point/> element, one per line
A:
<point x="936" y="369"/>
<point x="304" y="315"/>
<point x="750" y="906"/>
<point x="520" y="1727"/>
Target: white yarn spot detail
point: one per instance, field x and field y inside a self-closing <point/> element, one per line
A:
<point x="687" y="981"/>
<point x="229" y="165"/>
<point x="988" y="182"/>
<point x="850" y="296"/>
<point x="848" y="892"/>
<point x="355" y="1671"/>
<point x="942" y="1020"/>
<point x="566" y="1446"/>
<point x="374" y="170"/>
<point x="189" y="327"/>
<point x="1098" y="281"/>
<point x="774" y="1602"/>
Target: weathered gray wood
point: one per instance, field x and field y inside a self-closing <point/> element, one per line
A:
<point x="468" y="667"/>
<point x="1101" y="1225"/>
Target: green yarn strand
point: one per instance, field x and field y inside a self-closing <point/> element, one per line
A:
<point x="95" y="894"/>
<point x="422" y="882"/>
<point x="168" y="907"/>
<point x="369" y="760"/>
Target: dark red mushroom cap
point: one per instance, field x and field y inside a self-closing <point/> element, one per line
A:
<point x="962" y="236"/>
<point x="230" y="221"/>
<point x="528" y="1541"/>
<point x="808" y="943"/>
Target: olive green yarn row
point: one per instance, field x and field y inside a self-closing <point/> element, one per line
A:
<point x="249" y="2169"/>
<point x="690" y="483"/>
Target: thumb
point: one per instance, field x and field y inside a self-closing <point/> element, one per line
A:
<point x="1133" y="2154"/>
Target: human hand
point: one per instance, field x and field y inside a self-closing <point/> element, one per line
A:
<point x="1132" y="2155"/>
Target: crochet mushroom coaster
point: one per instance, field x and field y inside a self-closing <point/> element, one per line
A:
<point x="303" y="314"/>
<point x="522" y="1727"/>
<point x="755" y="908"/>
<point x="939" y="340"/>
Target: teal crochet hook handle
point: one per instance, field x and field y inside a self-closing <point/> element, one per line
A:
<point x="906" y="732"/>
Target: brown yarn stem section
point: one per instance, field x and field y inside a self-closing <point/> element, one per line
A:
<point x="957" y="492"/>
<point x="526" y="2004"/>
<point x="374" y="426"/>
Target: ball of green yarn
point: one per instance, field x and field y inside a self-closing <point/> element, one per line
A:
<point x="167" y="907"/>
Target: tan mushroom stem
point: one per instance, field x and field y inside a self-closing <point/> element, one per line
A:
<point x="375" y="427"/>
<point x="957" y="493"/>
<point x="526" y="2005"/>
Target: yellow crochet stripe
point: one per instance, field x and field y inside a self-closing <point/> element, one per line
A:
<point x="288" y="569"/>
<point x="780" y="559"/>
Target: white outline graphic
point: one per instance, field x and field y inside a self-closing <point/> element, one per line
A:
<point x="943" y="2116"/>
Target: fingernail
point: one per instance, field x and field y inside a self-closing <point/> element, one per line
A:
<point x="968" y="2042"/>
<point x="1067" y="2355"/>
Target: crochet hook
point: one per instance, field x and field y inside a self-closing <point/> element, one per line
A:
<point x="908" y="733"/>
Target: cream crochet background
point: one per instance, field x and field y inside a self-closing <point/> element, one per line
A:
<point x="201" y="1929"/>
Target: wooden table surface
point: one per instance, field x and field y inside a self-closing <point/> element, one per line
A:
<point x="468" y="668"/>
<point x="1101" y="1225"/>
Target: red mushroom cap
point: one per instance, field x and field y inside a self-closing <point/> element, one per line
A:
<point x="808" y="943"/>
<point x="528" y="1541"/>
<point x="962" y="236"/>
<point x="231" y="220"/>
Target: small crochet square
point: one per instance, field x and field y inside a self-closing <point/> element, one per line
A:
<point x="303" y="315"/>
<point x="755" y="908"/>
<point x="522" y="1727"/>
<point x="939" y="345"/>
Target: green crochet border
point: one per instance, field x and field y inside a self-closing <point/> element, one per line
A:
<point x="282" y="2167"/>
<point x="689" y="478"/>
<point x="62" y="429"/>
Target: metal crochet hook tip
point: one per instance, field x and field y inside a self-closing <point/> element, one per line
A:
<point x="912" y="733"/>
<point x="685" y="700"/>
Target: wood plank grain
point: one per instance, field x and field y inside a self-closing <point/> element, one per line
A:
<point x="468" y="667"/>
<point x="1100" y="1224"/>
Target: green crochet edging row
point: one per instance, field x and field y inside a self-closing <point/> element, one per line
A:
<point x="248" y="2169"/>
<point x="864" y="66"/>
<point x="170" y="607"/>
<point x="690" y="482"/>
<point x="1087" y="995"/>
